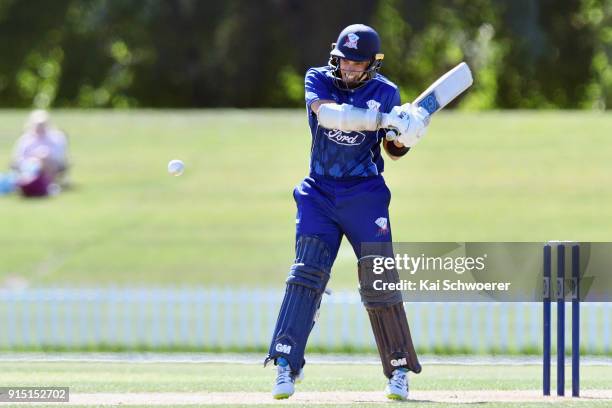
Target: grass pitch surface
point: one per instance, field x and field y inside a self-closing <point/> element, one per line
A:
<point x="330" y="385"/>
<point x="229" y="220"/>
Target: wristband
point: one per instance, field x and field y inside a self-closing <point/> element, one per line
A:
<point x="393" y="150"/>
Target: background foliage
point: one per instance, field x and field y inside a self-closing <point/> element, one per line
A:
<point x="190" y="53"/>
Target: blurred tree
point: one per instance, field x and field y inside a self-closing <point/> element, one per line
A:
<point x="31" y="55"/>
<point x="191" y="53"/>
<point x="421" y="41"/>
<point x="544" y="66"/>
<point x="596" y="16"/>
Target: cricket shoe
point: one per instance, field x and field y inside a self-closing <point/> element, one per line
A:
<point x="397" y="388"/>
<point x="285" y="380"/>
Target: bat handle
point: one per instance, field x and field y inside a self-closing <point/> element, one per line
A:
<point x="391" y="135"/>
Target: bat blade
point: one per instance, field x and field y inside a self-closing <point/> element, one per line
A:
<point x="445" y="89"/>
<point x="442" y="91"/>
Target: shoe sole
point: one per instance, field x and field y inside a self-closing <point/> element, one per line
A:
<point x="396" y="397"/>
<point x="281" y="396"/>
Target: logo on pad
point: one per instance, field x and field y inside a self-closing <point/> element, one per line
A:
<point x="283" y="348"/>
<point x="399" y="362"/>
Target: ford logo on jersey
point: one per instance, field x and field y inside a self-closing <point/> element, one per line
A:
<point x="345" y="138"/>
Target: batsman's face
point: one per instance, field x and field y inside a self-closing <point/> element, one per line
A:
<point x="353" y="71"/>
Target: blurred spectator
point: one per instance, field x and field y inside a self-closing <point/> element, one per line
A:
<point x="40" y="157"/>
<point x="8" y="182"/>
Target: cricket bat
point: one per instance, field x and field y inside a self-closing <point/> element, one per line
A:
<point x="442" y="91"/>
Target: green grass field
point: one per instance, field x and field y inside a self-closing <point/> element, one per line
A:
<point x="498" y="176"/>
<point x="119" y="378"/>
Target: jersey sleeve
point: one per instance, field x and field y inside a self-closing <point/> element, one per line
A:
<point x="394" y="101"/>
<point x="316" y="87"/>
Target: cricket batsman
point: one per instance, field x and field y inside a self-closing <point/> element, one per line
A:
<point x="350" y="107"/>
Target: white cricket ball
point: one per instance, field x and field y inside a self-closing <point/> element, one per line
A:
<point x="176" y="167"/>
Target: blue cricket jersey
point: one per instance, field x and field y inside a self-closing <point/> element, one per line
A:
<point x="347" y="155"/>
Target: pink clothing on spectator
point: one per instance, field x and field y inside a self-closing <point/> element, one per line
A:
<point x="30" y="145"/>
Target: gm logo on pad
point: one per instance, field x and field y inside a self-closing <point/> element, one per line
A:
<point x="283" y="348"/>
<point x="398" y="362"/>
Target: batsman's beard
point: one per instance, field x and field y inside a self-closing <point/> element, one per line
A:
<point x="352" y="78"/>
